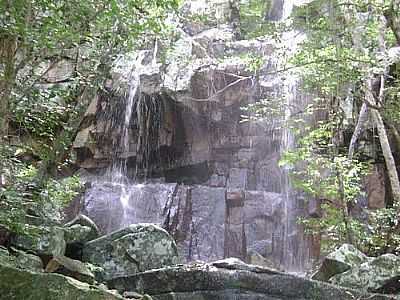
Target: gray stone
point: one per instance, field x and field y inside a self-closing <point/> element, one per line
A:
<point x="27" y="261"/>
<point x="20" y="259"/>
<point x="60" y="71"/>
<point x="48" y="241"/>
<point x="146" y="204"/>
<point x="237" y="178"/>
<point x="70" y="267"/>
<point x="207" y="224"/>
<point x="81" y="230"/>
<point x="217" y="180"/>
<point x="134" y="249"/>
<point x="77" y="234"/>
<point x="235" y="238"/>
<point x="339" y="261"/>
<point x="134" y="295"/>
<point x="255" y="258"/>
<point x="18" y="284"/>
<point x="229" y="280"/>
<point x="380" y="275"/>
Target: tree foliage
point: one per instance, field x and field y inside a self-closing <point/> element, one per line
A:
<point x="54" y="56"/>
<point x="344" y="64"/>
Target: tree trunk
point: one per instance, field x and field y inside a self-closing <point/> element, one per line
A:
<point x="362" y="119"/>
<point x="392" y="15"/>
<point x="8" y="47"/>
<point x="7" y="59"/>
<point x="396" y="135"/>
<point x="387" y="153"/>
<point x="234" y="18"/>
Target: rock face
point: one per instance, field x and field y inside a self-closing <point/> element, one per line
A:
<point x="49" y="241"/>
<point x="70" y="267"/>
<point x="81" y="230"/>
<point x="197" y="139"/>
<point x="380" y="274"/>
<point x="348" y="267"/>
<point x="144" y="204"/>
<point x="192" y="135"/>
<point x="134" y="249"/>
<point x="228" y="280"/>
<point x="20" y="259"/>
<point x="207" y="223"/>
<point x="339" y="261"/>
<point x="19" y="284"/>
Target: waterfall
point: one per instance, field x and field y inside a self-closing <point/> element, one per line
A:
<point x="136" y="127"/>
<point x="210" y="154"/>
<point x="294" y="257"/>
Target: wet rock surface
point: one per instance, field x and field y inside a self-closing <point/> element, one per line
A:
<point x="231" y="279"/>
<point x="198" y="140"/>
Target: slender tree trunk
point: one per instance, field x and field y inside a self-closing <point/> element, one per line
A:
<point x="387" y="153"/>
<point x="7" y="59"/>
<point x="392" y="15"/>
<point x="345" y="211"/>
<point x="7" y="80"/>
<point x="375" y="101"/>
<point x="362" y="119"/>
<point x="234" y="6"/>
<point x="383" y="138"/>
<point x="395" y="133"/>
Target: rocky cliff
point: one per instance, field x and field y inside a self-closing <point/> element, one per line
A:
<point x="217" y="186"/>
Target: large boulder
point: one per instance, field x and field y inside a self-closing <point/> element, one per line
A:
<point x="81" y="230"/>
<point x="78" y="234"/>
<point x="381" y="274"/>
<point x="48" y="241"/>
<point x="18" y="284"/>
<point x="136" y="248"/>
<point x="339" y="261"/>
<point x="20" y="259"/>
<point x="228" y="280"/>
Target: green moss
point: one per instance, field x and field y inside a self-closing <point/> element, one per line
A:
<point x="18" y="284"/>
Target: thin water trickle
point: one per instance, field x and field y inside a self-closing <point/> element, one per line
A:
<point x="291" y="259"/>
<point x="115" y="187"/>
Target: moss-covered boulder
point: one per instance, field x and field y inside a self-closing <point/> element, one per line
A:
<point x="20" y="259"/>
<point x="47" y="241"/>
<point x="136" y="248"/>
<point x="78" y="234"/>
<point x="381" y="274"/>
<point x="18" y="284"/>
<point x="339" y="261"/>
<point x="81" y="230"/>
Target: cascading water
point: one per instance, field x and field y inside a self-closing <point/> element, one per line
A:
<point x="234" y="160"/>
<point x="295" y="252"/>
<point x="123" y="196"/>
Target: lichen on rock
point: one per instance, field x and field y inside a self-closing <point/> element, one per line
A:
<point x="136" y="248"/>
